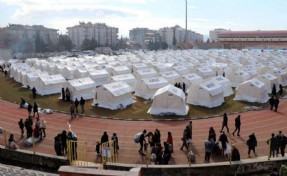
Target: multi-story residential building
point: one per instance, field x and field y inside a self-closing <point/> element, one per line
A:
<point x="138" y="34"/>
<point x="168" y="33"/>
<point x="213" y="34"/>
<point x="18" y="32"/>
<point x="103" y="34"/>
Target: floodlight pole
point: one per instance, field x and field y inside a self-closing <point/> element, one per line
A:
<point x="185" y="39"/>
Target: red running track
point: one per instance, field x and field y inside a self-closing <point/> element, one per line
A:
<point x="90" y="129"/>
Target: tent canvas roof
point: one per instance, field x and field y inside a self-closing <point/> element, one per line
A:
<point x="53" y="79"/>
<point x="82" y="83"/>
<point x="156" y="82"/>
<point x="255" y="82"/>
<point x="269" y="76"/>
<point x="192" y="77"/>
<point x="124" y="77"/>
<point x="118" y="88"/>
<point x="212" y="87"/>
<point x="172" y="89"/>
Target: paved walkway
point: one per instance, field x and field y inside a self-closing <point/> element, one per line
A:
<point x="263" y="123"/>
<point x="7" y="170"/>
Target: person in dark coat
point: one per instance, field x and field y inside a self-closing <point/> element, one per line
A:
<point x="274" y="90"/>
<point x="63" y="94"/>
<point x="183" y="87"/>
<point x="225" y="123"/>
<point x="271" y="102"/>
<point x="22" y="102"/>
<point x="68" y="94"/>
<point x="76" y="105"/>
<point x="29" y="109"/>
<point x="58" y="144"/>
<point x="98" y="148"/>
<point x="115" y="140"/>
<point x="208" y="144"/>
<point x="21" y="126"/>
<point x="35" y="109"/>
<point x="237" y="125"/>
<point x="235" y="155"/>
<point x="251" y="143"/>
<point x="166" y="154"/>
<point x="283" y="145"/>
<point x="279" y="140"/>
<point x="64" y="142"/>
<point x="272" y="142"/>
<point x="276" y="103"/>
<point x="184" y="138"/>
<point x="142" y="142"/>
<point x="82" y="104"/>
<point x="212" y="134"/>
<point x="157" y="136"/>
<point x="281" y="90"/>
<point x="34" y="92"/>
<point x="223" y="139"/>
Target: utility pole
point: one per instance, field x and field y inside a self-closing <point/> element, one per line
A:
<point x="185" y="38"/>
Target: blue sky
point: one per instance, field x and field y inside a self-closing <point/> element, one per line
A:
<point x="203" y="15"/>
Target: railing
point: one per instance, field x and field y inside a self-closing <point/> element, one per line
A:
<point x="109" y="152"/>
<point x="77" y="152"/>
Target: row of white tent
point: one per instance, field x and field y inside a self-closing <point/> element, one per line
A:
<point x="145" y="73"/>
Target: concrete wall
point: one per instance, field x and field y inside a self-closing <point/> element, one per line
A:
<point x="38" y="160"/>
<point x="245" y="167"/>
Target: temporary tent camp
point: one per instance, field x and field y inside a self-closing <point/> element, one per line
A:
<point x="252" y="91"/>
<point x="207" y="93"/>
<point x="282" y="76"/>
<point x="171" y="76"/>
<point x="269" y="79"/>
<point x="82" y="87"/>
<point x="127" y="78"/>
<point x="169" y="100"/>
<point x="114" y="96"/>
<point x="120" y="70"/>
<point x="50" y="84"/>
<point x="147" y="87"/>
<point x="226" y="84"/>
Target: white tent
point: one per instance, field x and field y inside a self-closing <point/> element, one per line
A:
<point x="127" y="78"/>
<point x="269" y="79"/>
<point x="190" y="79"/>
<point x="69" y="72"/>
<point x="147" y="87"/>
<point x="169" y="100"/>
<point x="51" y="84"/>
<point x="139" y="66"/>
<point x="205" y="72"/>
<point x="34" y="77"/>
<point x="226" y="84"/>
<point x="100" y="77"/>
<point x="171" y="76"/>
<point x="82" y="87"/>
<point x="145" y="73"/>
<point x="238" y="77"/>
<point x="114" y="96"/>
<point x="120" y="70"/>
<point x="252" y="91"/>
<point x="181" y="69"/>
<point x="282" y="76"/>
<point x="207" y="93"/>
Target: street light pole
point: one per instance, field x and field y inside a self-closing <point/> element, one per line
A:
<point x="185" y="39"/>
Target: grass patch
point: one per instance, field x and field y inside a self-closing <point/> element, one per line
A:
<point x="12" y="91"/>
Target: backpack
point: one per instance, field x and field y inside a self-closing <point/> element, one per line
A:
<point x="137" y="137"/>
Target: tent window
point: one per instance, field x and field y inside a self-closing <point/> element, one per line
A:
<point x="170" y="94"/>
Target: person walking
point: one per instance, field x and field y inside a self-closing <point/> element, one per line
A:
<point x="190" y="129"/>
<point x="225" y="123"/>
<point x="276" y="103"/>
<point x="72" y="110"/>
<point x="170" y="141"/>
<point x="212" y="134"/>
<point x="272" y="142"/>
<point x="34" y="92"/>
<point x="82" y="104"/>
<point x="237" y="125"/>
<point x="283" y="145"/>
<point x="185" y="138"/>
<point x="115" y="140"/>
<point x="29" y="108"/>
<point x="77" y="104"/>
<point x="21" y="126"/>
<point x="278" y="140"/>
<point x="208" y="144"/>
<point x="223" y="139"/>
<point x="68" y="94"/>
<point x="43" y="126"/>
<point x="35" y="109"/>
<point x="271" y="102"/>
<point x="142" y="142"/>
<point x="251" y="143"/>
